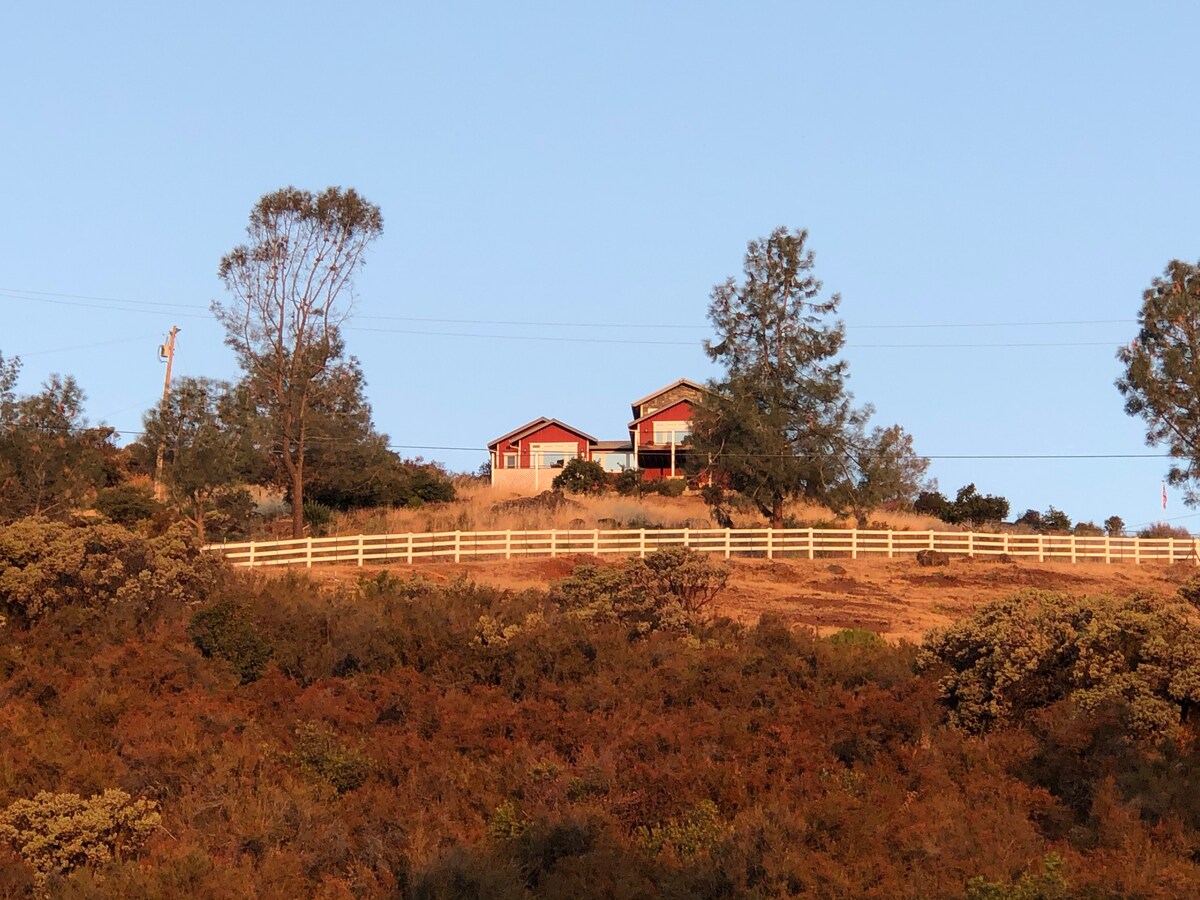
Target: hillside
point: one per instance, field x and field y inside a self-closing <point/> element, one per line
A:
<point x="171" y="728"/>
<point x="897" y="599"/>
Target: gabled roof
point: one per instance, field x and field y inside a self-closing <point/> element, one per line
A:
<point x="651" y="415"/>
<point x="537" y="424"/>
<point x="678" y="383"/>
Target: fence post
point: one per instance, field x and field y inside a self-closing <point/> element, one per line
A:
<point x="595" y="542"/>
<point x="457" y="546"/>
<point x="308" y="553"/>
<point x="361" y="540"/>
<point x="642" y="544"/>
<point x="1107" y="549"/>
<point x="970" y="543"/>
<point x="728" y="535"/>
<point x="410" y="548"/>
<point x="1041" y="548"/>
<point x="686" y="533"/>
<point x="1137" y="551"/>
<point x="889" y="544"/>
<point x="508" y="544"/>
<point x="931" y="544"/>
<point x="811" y="554"/>
<point x="1006" y="543"/>
<point x="252" y="554"/>
<point x="553" y="542"/>
<point x="1170" y="550"/>
<point x="1074" y="549"/>
<point x="771" y="543"/>
<point x="854" y="544"/>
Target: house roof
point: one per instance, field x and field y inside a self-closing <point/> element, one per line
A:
<point x="613" y="445"/>
<point x="651" y="415"/>
<point x="538" y="423"/>
<point x="671" y="386"/>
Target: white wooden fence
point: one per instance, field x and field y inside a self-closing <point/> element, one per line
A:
<point x="793" y="543"/>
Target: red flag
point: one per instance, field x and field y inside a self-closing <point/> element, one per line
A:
<point x="1164" y="485"/>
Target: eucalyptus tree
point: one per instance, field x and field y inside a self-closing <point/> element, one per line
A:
<point x="291" y="289"/>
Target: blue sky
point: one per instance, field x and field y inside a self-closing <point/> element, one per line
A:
<point x="956" y="165"/>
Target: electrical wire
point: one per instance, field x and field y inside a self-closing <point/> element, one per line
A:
<point x="39" y="296"/>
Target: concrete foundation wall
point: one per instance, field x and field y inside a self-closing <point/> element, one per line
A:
<point x="523" y="481"/>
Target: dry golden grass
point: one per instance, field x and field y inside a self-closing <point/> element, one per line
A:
<point x="476" y="510"/>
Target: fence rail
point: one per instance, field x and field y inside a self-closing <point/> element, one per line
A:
<point x="769" y="543"/>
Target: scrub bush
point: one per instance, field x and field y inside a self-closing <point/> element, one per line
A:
<point x="62" y="832"/>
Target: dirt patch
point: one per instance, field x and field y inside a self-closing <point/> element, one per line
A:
<point x="891" y="597"/>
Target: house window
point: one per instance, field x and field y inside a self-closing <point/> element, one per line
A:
<point x="671" y="432"/>
<point x="510" y="460"/>
<point x="615" y="462"/>
<point x="552" y="456"/>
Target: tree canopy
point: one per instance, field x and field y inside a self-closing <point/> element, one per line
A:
<point x="1161" y="381"/>
<point x="780" y="422"/>
<point x="291" y="288"/>
<point x="51" y="459"/>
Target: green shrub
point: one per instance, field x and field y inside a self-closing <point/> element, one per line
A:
<point x="126" y="504"/>
<point x="581" y="476"/>
<point x="1049" y="884"/>
<point x="317" y="515"/>
<point x="668" y="590"/>
<point x="855" y="637"/>
<point x="1027" y="652"/>
<point x="226" y="631"/>
<point x="232" y="515"/>
<point x="47" y="565"/>
<point x="1164" y="530"/>
<point x="63" y="832"/>
<point x="667" y="487"/>
<point x="699" y="830"/>
<point x="931" y="503"/>
<point x="320" y="754"/>
<point x="690" y="578"/>
<point x="629" y="483"/>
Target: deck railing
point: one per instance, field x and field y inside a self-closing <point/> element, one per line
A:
<point x="769" y="543"/>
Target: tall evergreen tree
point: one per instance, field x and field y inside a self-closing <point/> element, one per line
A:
<point x="1161" y="382"/>
<point x="776" y="424"/>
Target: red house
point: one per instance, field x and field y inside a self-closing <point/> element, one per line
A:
<point x="529" y="457"/>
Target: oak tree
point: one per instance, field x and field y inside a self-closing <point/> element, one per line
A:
<point x="51" y="459"/>
<point x="292" y="287"/>
<point x="202" y="443"/>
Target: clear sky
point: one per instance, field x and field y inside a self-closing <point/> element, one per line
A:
<point x="958" y="166"/>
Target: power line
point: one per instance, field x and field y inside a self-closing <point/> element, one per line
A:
<point x="851" y="346"/>
<point x="21" y="291"/>
<point x="128" y="340"/>
<point x="37" y="296"/>
<point x="79" y="304"/>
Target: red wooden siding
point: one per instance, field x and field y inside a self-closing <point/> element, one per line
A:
<point x="676" y="412"/>
<point x="547" y="434"/>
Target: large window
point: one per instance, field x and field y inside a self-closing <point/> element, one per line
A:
<point x="552" y="456"/>
<point x="614" y="462"/>
<point x="672" y="432"/>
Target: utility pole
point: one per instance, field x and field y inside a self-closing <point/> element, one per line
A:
<point x="166" y="352"/>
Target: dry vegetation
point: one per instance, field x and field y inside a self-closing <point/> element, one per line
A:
<point x="482" y="508"/>
<point x="572" y="728"/>
<point x="896" y="599"/>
